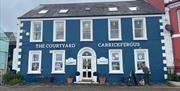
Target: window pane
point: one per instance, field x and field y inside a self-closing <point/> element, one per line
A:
<point x="115" y="66"/>
<point x="35" y="66"/>
<point x="139" y="31"/>
<point x="115" y="56"/>
<point x="114" y="24"/>
<point x="58" y="66"/>
<point x="114" y="29"/>
<point x="35" y="57"/>
<point x="141" y="56"/>
<point x="59" y="30"/>
<point x="36" y="31"/>
<point x="86" y="26"/>
<point x="139" y="64"/>
<point x="58" y="57"/>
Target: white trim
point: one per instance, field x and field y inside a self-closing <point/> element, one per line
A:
<point x="174" y="5"/>
<point x="165" y="68"/>
<point x="144" y="28"/>
<point x="178" y="15"/>
<point x="176" y="35"/>
<point x="19" y="56"/>
<point x="101" y="17"/>
<point x="160" y="20"/>
<point x="79" y="63"/>
<point x="120" y="61"/>
<point x="20" y="43"/>
<point x="164" y="54"/>
<point x="162" y="34"/>
<point x="18" y="70"/>
<point x="165" y="76"/>
<point x="54" y="60"/>
<point x="146" y="60"/>
<point x="81" y="30"/>
<point x="164" y="62"/>
<point x="163" y="48"/>
<point x="30" y="62"/>
<point x="31" y="32"/>
<point x="161" y="27"/>
<point x="20" y="37"/>
<point x="54" y="31"/>
<point x="21" y="25"/>
<point x="20" y="50"/>
<point x="162" y="41"/>
<point x="19" y="62"/>
<point x="119" y="29"/>
<point x="21" y="31"/>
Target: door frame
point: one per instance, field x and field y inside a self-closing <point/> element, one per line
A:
<point x="80" y="61"/>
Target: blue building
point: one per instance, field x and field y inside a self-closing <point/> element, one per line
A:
<point x="107" y="38"/>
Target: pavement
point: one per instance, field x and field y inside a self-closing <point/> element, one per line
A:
<point x="47" y="87"/>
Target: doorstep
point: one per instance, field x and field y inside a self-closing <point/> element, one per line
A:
<point x="86" y="82"/>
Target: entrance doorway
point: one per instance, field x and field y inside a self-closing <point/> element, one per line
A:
<point x="86" y="65"/>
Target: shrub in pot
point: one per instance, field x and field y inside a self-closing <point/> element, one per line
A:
<point x="102" y="79"/>
<point x="77" y="76"/>
<point x="69" y="79"/>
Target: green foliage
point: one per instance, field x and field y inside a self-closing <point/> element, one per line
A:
<point x="12" y="79"/>
<point x="173" y="77"/>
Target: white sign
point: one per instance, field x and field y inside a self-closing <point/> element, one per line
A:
<point x="102" y="60"/>
<point x="69" y="45"/>
<point x="71" y="61"/>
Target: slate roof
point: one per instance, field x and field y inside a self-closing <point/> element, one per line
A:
<point x="97" y="9"/>
<point x="12" y="38"/>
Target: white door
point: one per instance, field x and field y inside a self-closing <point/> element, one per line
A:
<point x="87" y="68"/>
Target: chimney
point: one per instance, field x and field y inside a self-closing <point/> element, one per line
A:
<point x="159" y="4"/>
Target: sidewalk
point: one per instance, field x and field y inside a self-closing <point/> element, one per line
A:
<point x="59" y="87"/>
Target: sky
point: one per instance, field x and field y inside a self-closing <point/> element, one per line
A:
<point x="11" y="9"/>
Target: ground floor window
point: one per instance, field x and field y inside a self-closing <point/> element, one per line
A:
<point x="58" y="61"/>
<point x="34" y="65"/>
<point x="115" y="61"/>
<point x="141" y="56"/>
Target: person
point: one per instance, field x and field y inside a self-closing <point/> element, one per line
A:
<point x="146" y="73"/>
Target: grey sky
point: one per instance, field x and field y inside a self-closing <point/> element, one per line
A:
<point x="11" y="9"/>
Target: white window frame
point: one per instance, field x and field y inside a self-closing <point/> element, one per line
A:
<point x="136" y="60"/>
<point x="144" y="27"/>
<point x="32" y="30"/>
<point x="54" y="61"/>
<point x="31" y="52"/>
<point x="54" y="31"/>
<point x="120" y="60"/>
<point x="81" y="30"/>
<point x="178" y="13"/>
<point x="109" y="30"/>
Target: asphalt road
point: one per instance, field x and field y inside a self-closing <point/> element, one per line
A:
<point x="88" y="88"/>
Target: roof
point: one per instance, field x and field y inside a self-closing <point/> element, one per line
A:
<point x="11" y="37"/>
<point x="96" y="9"/>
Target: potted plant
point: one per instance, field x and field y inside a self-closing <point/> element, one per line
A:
<point x="77" y="76"/>
<point x="69" y="79"/>
<point x="102" y="79"/>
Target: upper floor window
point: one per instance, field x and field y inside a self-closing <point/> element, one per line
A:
<point x="59" y="31"/>
<point x="58" y="61"/>
<point x="141" y="56"/>
<point x="34" y="64"/>
<point x="114" y="30"/>
<point x="178" y="14"/>
<point x="36" y="31"/>
<point x="86" y="30"/>
<point x="139" y="29"/>
<point x="115" y="61"/>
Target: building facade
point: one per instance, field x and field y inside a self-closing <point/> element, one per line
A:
<point x="110" y="39"/>
<point x="173" y="18"/>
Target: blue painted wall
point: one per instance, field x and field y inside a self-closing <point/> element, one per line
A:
<point x="100" y="34"/>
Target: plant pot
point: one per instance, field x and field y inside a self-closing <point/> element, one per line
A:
<point x="69" y="81"/>
<point x="102" y="80"/>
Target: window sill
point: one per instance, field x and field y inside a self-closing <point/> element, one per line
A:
<point x="59" y="40"/>
<point x="57" y="72"/>
<point x="33" y="72"/>
<point x="35" y="41"/>
<point x="140" y="39"/>
<point x="116" y="72"/>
